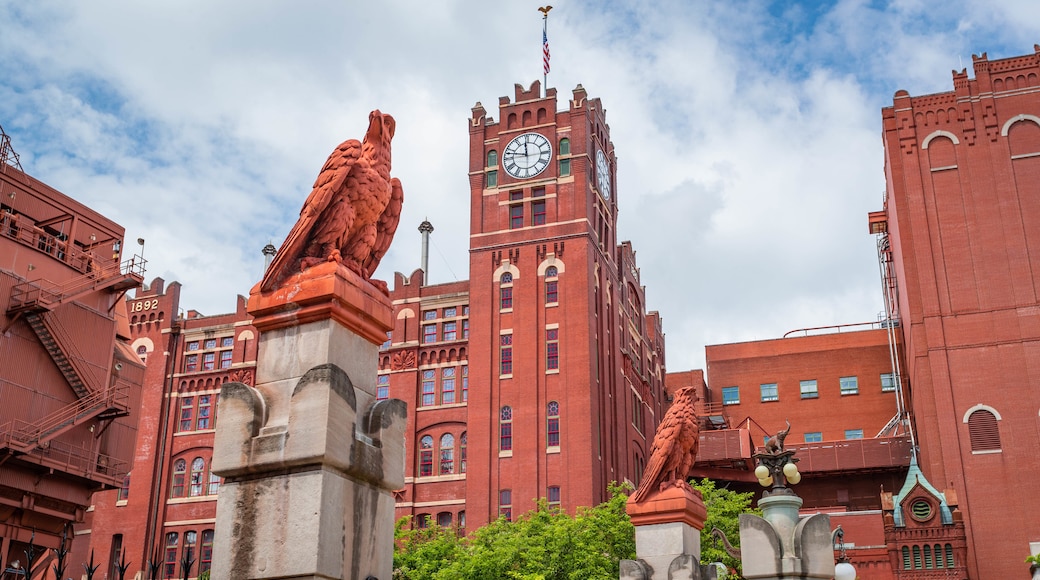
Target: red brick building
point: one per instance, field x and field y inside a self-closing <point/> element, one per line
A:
<point x="166" y="506"/>
<point x="542" y="376"/>
<point x="69" y="382"/>
<point x="960" y="235"/>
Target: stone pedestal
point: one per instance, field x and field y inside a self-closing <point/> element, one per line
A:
<point x="668" y="540"/>
<point x="310" y="458"/>
<point x="780" y="545"/>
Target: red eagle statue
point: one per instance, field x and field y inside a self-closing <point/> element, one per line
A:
<point x="675" y="447"/>
<point x="352" y="212"/>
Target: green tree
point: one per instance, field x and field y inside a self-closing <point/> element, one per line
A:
<point x="724" y="509"/>
<point x="420" y="553"/>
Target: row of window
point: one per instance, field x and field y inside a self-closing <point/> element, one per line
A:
<point x="928" y="558"/>
<point x="446" y="463"/>
<point x="552" y="426"/>
<point x="207" y="361"/>
<point x="449" y="330"/>
<point x="563" y="159"/>
<point x="817" y="436"/>
<point x="443" y="520"/>
<point x="445" y="386"/>
<point x="505" y="501"/>
<point x="174" y="554"/>
<point x="198" y="484"/>
<point x="197" y="413"/>
<point x="447" y="312"/>
<point x="552" y="351"/>
<point x="552" y="289"/>
<point x="808" y="389"/>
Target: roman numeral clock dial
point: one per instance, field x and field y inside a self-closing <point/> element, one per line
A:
<point x="527" y="155"/>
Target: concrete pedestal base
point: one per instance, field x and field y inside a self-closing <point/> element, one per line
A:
<point x="668" y="539"/>
<point x="308" y="455"/>
<point x="780" y="545"/>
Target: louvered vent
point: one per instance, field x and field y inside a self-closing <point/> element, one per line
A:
<point x="984" y="432"/>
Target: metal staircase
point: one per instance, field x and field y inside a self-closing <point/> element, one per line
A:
<point x="43" y="295"/>
<point x="25" y="437"/>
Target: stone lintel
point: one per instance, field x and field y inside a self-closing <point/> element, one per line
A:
<point x="327" y="290"/>
<point x="674" y="504"/>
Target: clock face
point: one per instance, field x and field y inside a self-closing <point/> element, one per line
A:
<point x="602" y="174"/>
<point x="527" y="155"/>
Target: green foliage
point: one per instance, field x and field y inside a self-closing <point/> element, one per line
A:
<point x="1034" y="559"/>
<point x="204" y="576"/>
<point x="724" y="509"/>
<point x="544" y="544"/>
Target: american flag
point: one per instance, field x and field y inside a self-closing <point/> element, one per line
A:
<point x="545" y="52"/>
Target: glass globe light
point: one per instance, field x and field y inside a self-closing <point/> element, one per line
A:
<point x="790" y="470"/>
<point x="844" y="571"/>
<point x="794" y="479"/>
<point x="761" y="472"/>
<point x="766" y="482"/>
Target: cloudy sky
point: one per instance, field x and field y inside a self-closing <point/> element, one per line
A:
<point x="747" y="132"/>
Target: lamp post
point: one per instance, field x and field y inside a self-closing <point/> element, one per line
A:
<point x="843" y="570"/>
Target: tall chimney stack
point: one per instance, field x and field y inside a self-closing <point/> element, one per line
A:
<point x="425" y="228"/>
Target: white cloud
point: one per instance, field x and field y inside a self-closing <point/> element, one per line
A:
<point x="748" y="134"/>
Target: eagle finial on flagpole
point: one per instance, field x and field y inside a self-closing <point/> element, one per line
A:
<point x="545" y="48"/>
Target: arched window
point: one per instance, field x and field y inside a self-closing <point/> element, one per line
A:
<point x="552" y="294"/>
<point x="198" y="470"/>
<point x="142" y="351"/>
<point x="917" y="557"/>
<point x="505" y="292"/>
<point x="426" y="456"/>
<point x="928" y="557"/>
<point x="170" y="559"/>
<point x="552" y="420"/>
<point x="505" y="429"/>
<point x="444" y="519"/>
<point x="462" y="523"/>
<point x="206" y="551"/>
<point x="180" y="468"/>
<point x="938" y="556"/>
<point x="190" y="541"/>
<point x="124" y="490"/>
<point x="565" y="163"/>
<point x="949" y="555"/>
<point x="214" y="484"/>
<point x="983" y="431"/>
<point x="505" y="504"/>
<point x="424" y="520"/>
<point x="447" y="454"/>
<point x="462" y="453"/>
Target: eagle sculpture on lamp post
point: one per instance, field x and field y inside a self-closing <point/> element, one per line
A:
<point x="674" y="449"/>
<point x="352" y="212"/>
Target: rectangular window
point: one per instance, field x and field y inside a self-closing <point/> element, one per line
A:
<point x="538" y="192"/>
<point x="465" y="328"/>
<point x="193" y="345"/>
<point x="448" y="386"/>
<point x="849" y="385"/>
<point x="637" y="412"/>
<point x="553" y="431"/>
<point x="516" y="195"/>
<point x="552" y="349"/>
<point x="565" y="167"/>
<point x="465" y="310"/>
<point x="506" y="295"/>
<point x="187" y="413"/>
<point x="205" y="406"/>
<point x="552" y="497"/>
<point x="551" y="292"/>
<point x="429" y="393"/>
<point x="209" y="360"/>
<point x="465" y="383"/>
<point x="888" y="382"/>
<point x="429" y="333"/>
<point x="214" y="484"/>
<point x="730" y="395"/>
<point x="227" y="342"/>
<point x="505" y="504"/>
<point x="382" y="387"/>
<point x="450" y="312"/>
<point x="225" y="359"/>
<point x="516" y="217"/>
<point x="809" y="389"/>
<point x="449" y="331"/>
<point x="769" y="392"/>
<point x="429" y="315"/>
<point x="210" y="343"/>
<point x="814" y="437"/>
<point x="191" y="363"/>
<point x="538" y="213"/>
<point x="386" y="344"/>
<point x="854" y="433"/>
<point x="507" y="354"/>
<point x="124" y="490"/>
<point x="492" y="178"/>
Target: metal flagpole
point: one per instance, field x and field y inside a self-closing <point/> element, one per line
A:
<point x="545" y="49"/>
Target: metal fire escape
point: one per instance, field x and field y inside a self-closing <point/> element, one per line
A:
<point x="98" y="397"/>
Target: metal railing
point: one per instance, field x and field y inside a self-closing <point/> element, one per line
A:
<point x="47" y="294"/>
<point x="27" y="434"/>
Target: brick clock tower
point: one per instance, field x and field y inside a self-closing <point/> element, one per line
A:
<point x="566" y="370"/>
